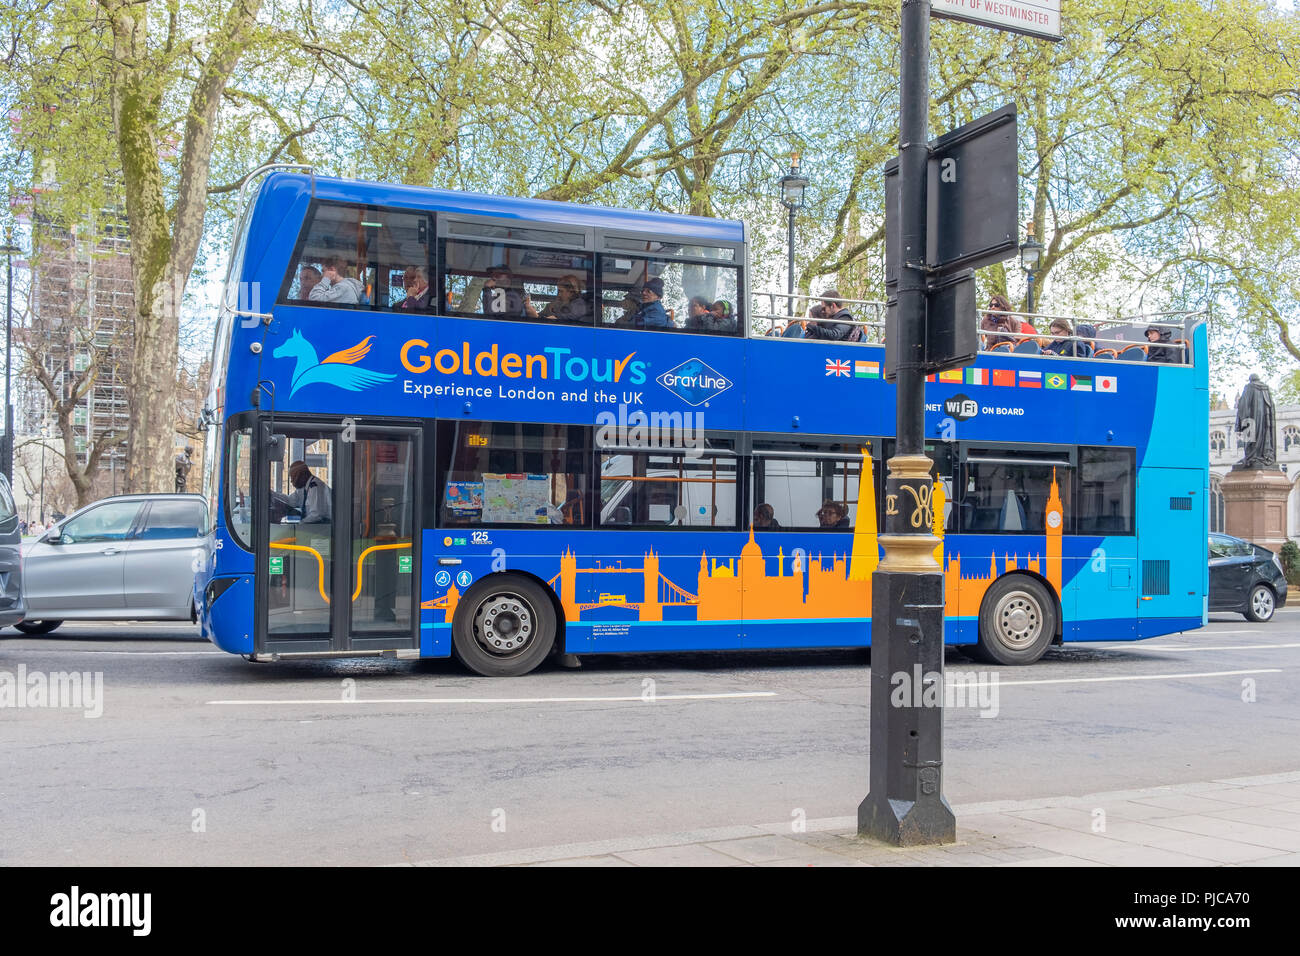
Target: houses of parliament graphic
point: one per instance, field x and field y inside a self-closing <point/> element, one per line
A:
<point x="764" y="586"/>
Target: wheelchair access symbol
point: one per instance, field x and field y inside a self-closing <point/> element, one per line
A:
<point x="463" y="578"/>
<point x="442" y="579"/>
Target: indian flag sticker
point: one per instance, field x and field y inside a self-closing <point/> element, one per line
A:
<point x="977" y="376"/>
<point x="1081" y="383"/>
<point x="866" y="369"/>
<point x="1106" y="383"/>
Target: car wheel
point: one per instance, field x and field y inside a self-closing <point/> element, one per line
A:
<point x="1261" y="604"/>
<point x="37" y="627"/>
<point x="504" y="628"/>
<point x="1017" y="621"/>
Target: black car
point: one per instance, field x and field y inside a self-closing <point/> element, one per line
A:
<point x="1245" y="578"/>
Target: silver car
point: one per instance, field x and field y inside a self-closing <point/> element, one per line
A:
<point x="11" y="565"/>
<point x="129" y="557"/>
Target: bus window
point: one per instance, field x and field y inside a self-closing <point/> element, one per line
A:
<point x="239" y="487"/>
<point x="1008" y="490"/>
<point x="623" y="277"/>
<point x="498" y="474"/>
<point x="494" y="280"/>
<point x="669" y="488"/>
<point x="809" y="486"/>
<point x="361" y="257"/>
<point x="1105" y="491"/>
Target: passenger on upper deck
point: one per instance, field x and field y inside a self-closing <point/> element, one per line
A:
<point x="568" y="305"/>
<point x="336" y="285"/>
<point x="500" y="297"/>
<point x="1161" y="349"/>
<point x="308" y="279"/>
<point x="833" y="309"/>
<point x="651" y="315"/>
<point x="1062" y="343"/>
<point x="833" y="515"/>
<point x="724" y="316"/>
<point x="700" y="316"/>
<point x="416" y="283"/>
<point x="991" y="323"/>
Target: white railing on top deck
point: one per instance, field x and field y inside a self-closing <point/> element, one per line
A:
<point x="777" y="310"/>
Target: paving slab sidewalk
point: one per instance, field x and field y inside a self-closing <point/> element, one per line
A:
<point x="1243" y="821"/>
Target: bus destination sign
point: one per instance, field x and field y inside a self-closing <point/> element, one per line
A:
<point x="1035" y="18"/>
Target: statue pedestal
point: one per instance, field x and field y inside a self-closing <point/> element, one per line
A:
<point x="1254" y="506"/>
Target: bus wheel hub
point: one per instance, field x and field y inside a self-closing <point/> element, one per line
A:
<point x="505" y="624"/>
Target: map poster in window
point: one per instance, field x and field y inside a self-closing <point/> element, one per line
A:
<point x="516" y="499"/>
<point x="465" y="498"/>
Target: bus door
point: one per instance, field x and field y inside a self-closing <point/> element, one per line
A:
<point x="337" y="548"/>
<point x="1171" y="536"/>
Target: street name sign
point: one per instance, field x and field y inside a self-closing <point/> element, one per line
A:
<point x="1035" y="18"/>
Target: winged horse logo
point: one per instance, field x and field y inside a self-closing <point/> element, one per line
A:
<point x="339" y="369"/>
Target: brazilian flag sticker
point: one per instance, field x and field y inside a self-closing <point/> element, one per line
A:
<point x="1054" y="380"/>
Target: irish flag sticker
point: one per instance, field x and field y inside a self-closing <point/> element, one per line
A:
<point x="1106" y="383"/>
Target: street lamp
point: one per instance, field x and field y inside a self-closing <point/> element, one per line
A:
<point x="1031" y="254"/>
<point x="7" y="452"/>
<point x="793" y="185"/>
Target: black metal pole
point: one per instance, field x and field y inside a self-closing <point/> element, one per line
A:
<point x="42" y="477"/>
<point x="789" y="282"/>
<point x="9" y="336"/>
<point x="905" y="805"/>
<point x="1029" y="307"/>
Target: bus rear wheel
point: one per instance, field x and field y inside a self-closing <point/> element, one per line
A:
<point x="504" y="628"/>
<point x="1017" y="621"/>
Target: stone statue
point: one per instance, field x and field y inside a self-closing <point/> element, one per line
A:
<point x="183" y="464"/>
<point x="1256" y="428"/>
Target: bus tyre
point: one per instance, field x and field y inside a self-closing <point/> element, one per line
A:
<point x="1017" y="621"/>
<point x="1261" y="604"/>
<point x="504" y="628"/>
<point x="37" y="627"/>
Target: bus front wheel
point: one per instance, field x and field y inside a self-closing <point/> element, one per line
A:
<point x="1017" y="621"/>
<point x="504" y="628"/>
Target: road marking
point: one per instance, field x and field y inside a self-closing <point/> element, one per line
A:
<point x="505" y="700"/>
<point x="1103" y="680"/>
<point x="1225" y="647"/>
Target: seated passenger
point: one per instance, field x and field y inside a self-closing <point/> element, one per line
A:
<point x="699" y="316"/>
<point x="1086" y="333"/>
<point x="833" y="309"/>
<point x="651" y="314"/>
<point x="832" y="515"/>
<point x="416" y="283"/>
<point x="336" y="285"/>
<point x="500" y="297"/>
<point x="1161" y="349"/>
<point x="629" y="304"/>
<point x="1061" y="343"/>
<point x="765" y="517"/>
<point x="308" y="279"/>
<point x="724" y="316"/>
<point x="992" y="323"/>
<point x="568" y="305"/>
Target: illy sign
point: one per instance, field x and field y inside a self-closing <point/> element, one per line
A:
<point x="1035" y="18"/>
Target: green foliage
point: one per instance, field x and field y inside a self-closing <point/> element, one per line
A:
<point x="1291" y="562"/>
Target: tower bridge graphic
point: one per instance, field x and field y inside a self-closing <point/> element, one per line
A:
<point x="794" y="586"/>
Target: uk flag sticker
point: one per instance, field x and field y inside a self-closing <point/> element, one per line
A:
<point x="837" y="367"/>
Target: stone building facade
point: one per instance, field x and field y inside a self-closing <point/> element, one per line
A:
<point x="1225" y="451"/>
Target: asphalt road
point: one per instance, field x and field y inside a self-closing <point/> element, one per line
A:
<point x="203" y="758"/>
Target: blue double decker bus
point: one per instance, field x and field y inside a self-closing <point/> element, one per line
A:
<point x="444" y="424"/>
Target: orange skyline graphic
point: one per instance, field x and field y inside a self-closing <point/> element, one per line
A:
<point x="745" y="588"/>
